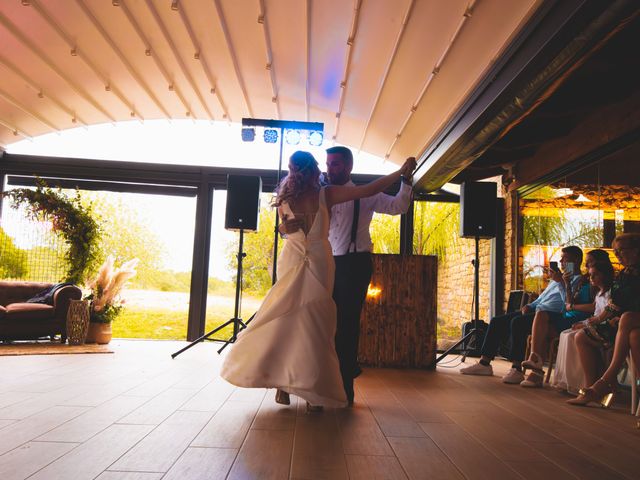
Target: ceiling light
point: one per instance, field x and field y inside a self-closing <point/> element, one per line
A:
<point x="315" y="139"/>
<point x="248" y="134"/>
<point x="270" y="135"/>
<point x="115" y="3"/>
<point x="292" y="137"/>
<point x="174" y="5"/>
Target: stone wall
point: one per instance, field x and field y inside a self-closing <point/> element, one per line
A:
<point x="455" y="285"/>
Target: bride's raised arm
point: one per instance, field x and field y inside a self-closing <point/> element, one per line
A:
<point x="344" y="193"/>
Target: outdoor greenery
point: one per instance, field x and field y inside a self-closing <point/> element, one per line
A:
<point x="436" y="227"/>
<point x="258" y="246"/>
<point x="69" y="218"/>
<point x="13" y="261"/>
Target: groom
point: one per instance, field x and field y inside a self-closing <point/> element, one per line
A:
<point x="351" y="244"/>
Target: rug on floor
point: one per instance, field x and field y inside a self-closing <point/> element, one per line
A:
<point x="50" y="348"/>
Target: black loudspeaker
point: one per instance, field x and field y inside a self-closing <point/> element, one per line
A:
<point x="243" y="202"/>
<point x="473" y="345"/>
<point x="478" y="204"/>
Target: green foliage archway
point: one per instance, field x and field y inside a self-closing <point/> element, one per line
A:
<point x="69" y="219"/>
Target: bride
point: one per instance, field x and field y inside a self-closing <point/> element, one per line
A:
<point x="290" y="344"/>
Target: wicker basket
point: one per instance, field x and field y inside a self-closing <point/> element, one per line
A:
<point x="77" y="321"/>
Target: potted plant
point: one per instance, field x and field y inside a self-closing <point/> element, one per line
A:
<point x="106" y="301"/>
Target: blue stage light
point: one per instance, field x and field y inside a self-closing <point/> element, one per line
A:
<point x="248" y="134"/>
<point x="292" y="137"/>
<point x="315" y="139"/>
<point x="270" y="135"/>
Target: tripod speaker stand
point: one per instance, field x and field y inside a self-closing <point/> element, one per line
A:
<point x="236" y="321"/>
<point x="242" y="213"/>
<point x="478" y="219"/>
<point x="473" y="337"/>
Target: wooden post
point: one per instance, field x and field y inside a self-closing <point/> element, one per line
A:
<point x="398" y="324"/>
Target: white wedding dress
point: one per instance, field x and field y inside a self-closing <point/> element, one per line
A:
<point x="290" y="344"/>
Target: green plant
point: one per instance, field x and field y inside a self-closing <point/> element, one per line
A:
<point x="69" y="218"/>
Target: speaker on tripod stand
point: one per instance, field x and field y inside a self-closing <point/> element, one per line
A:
<point x="242" y="213"/>
<point x="478" y="219"/>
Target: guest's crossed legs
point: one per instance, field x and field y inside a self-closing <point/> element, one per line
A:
<point x="516" y="326"/>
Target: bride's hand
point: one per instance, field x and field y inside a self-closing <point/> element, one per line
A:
<point x="289" y="225"/>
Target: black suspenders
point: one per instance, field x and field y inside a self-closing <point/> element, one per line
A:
<point x="354" y="225"/>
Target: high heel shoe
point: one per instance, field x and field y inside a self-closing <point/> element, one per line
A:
<point x="314" y="408"/>
<point x="601" y="392"/>
<point x="282" y="397"/>
<point x="534" y="362"/>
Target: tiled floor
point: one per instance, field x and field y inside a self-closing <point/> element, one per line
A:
<point x="138" y="414"/>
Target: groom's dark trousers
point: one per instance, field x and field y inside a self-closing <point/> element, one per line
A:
<point x="353" y="274"/>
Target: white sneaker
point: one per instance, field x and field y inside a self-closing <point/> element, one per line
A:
<point x="513" y="377"/>
<point x="477" y="369"/>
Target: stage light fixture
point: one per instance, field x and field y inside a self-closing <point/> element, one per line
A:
<point x="270" y="135"/>
<point x="315" y="139"/>
<point x="292" y="137"/>
<point x="248" y="134"/>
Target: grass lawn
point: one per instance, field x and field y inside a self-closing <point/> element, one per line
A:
<point x="164" y="324"/>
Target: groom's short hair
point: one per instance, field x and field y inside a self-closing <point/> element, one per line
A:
<point x="345" y="153"/>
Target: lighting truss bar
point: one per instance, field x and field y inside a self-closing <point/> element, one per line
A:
<point x="284" y="124"/>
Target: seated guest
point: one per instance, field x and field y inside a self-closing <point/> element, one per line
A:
<point x="569" y="374"/>
<point x="621" y="314"/>
<point x="579" y="304"/>
<point x="517" y="325"/>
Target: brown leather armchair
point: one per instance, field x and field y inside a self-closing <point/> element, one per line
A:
<point x="22" y="321"/>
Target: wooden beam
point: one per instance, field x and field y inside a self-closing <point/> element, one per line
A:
<point x="602" y="127"/>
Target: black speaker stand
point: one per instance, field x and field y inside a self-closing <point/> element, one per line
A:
<point x="236" y="321"/>
<point x="473" y="335"/>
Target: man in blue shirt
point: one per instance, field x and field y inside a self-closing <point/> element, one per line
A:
<point x="517" y="325"/>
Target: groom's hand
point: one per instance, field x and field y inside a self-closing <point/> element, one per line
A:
<point x="408" y="167"/>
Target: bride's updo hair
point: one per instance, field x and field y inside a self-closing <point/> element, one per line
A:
<point x="304" y="174"/>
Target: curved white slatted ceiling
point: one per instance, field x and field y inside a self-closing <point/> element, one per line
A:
<point x="383" y="75"/>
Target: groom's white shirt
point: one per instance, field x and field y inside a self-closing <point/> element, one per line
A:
<point x="342" y="218"/>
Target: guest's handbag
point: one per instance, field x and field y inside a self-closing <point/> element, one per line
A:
<point x="603" y="332"/>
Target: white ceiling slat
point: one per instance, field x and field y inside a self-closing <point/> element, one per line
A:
<point x="76" y="51"/>
<point x="25" y="109"/>
<point x="15" y="130"/>
<point x="385" y="76"/>
<point x="197" y="55"/>
<point x="307" y="56"/>
<point x="107" y="38"/>
<point x="264" y="21"/>
<point x="158" y="62"/>
<point x="347" y="65"/>
<point x="436" y="69"/>
<point x="234" y="56"/>
<point x="178" y="57"/>
<point x="484" y="36"/>
<point x="40" y="91"/>
<point x="50" y="63"/>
